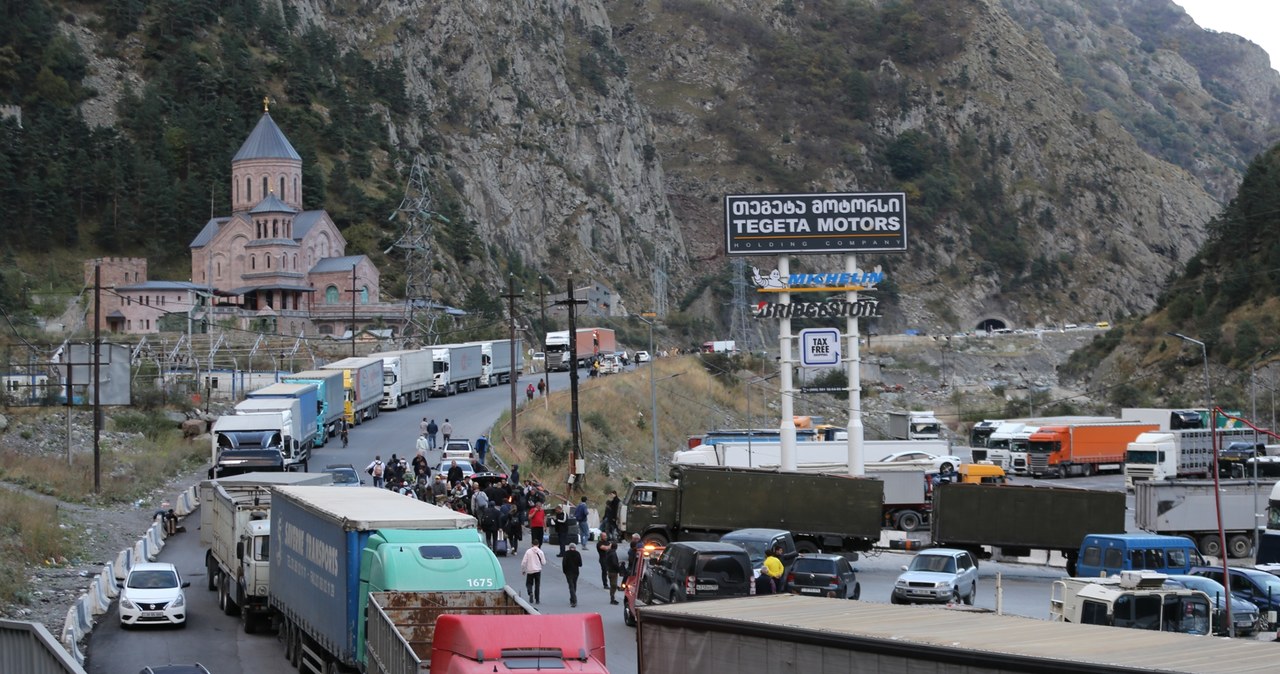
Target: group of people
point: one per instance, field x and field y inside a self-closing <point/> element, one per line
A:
<point x="541" y="389"/>
<point x="611" y="567"/>
<point x="429" y="430"/>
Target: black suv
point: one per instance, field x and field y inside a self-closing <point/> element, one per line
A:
<point x="689" y="571"/>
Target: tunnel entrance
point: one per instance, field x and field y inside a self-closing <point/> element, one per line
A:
<point x="991" y="325"/>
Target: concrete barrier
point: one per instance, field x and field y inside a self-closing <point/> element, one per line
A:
<point x="156" y="534"/>
<point x="71" y="626"/>
<point x="101" y="602"/>
<point x="140" y="550"/>
<point x="108" y="578"/>
<point x="84" y="614"/>
<point x="73" y="649"/>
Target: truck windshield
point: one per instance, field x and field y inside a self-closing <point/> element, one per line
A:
<point x="1042" y="447"/>
<point x="388" y="378"/>
<point x="1141" y="456"/>
<point x="261" y="548"/>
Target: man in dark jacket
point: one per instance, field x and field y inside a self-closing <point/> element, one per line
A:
<point x="609" y="566"/>
<point x="572" y="564"/>
<point x="490" y="519"/>
<point x="610" y="523"/>
<point x="561" y="522"/>
<point x="455" y="473"/>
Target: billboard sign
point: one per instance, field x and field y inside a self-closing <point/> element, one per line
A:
<point x="819" y="347"/>
<point x="864" y="307"/>
<point x="777" y="224"/>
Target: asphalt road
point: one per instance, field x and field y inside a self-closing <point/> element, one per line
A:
<point x="218" y="642"/>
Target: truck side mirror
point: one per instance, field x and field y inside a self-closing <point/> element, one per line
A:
<point x="239" y="550"/>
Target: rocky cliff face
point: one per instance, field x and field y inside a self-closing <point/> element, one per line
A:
<point x="1060" y="158"/>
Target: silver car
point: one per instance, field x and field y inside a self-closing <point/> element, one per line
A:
<point x="938" y="576"/>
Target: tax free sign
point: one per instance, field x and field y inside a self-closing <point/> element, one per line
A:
<point x="819" y="347"/>
<point x="774" y="224"/>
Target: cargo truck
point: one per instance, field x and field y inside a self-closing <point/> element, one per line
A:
<point x="1081" y="449"/>
<point x="459" y="632"/>
<point x="705" y="502"/>
<point x="1187" y="508"/>
<point x="257" y="436"/>
<point x="766" y="452"/>
<point x="406" y="377"/>
<point x="772" y="633"/>
<point x="914" y="425"/>
<point x="456" y="368"/>
<point x="720" y="346"/>
<point x="1160" y="455"/>
<point x="589" y="343"/>
<point x="332" y="546"/>
<point x="1018" y="520"/>
<point x="235" y="532"/>
<point x="497" y="367"/>
<point x="330" y="395"/>
<point x="309" y="406"/>
<point x="302" y="423"/>
<point x="362" y="384"/>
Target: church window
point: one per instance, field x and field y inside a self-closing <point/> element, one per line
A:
<point x="295" y="262"/>
<point x="248" y="189"/>
<point x="267" y="258"/>
<point x="364" y="294"/>
<point x="253" y="261"/>
<point x="275" y="229"/>
<point x="295" y="189"/>
<point x="264" y="187"/>
<point x="325" y="329"/>
<point x="331" y="295"/>
<point x="281" y="187"/>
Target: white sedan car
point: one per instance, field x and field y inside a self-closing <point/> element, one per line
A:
<point x="924" y="459"/>
<point x="152" y="594"/>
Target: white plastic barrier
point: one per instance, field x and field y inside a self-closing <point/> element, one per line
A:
<point x="108" y="578"/>
<point x="156" y="534"/>
<point x="186" y="503"/>
<point x="124" y="562"/>
<point x="140" y="550"/>
<point x="74" y="650"/>
<point x="101" y="602"/>
<point x="71" y="626"/>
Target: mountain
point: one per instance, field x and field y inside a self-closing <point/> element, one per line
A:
<point x="1061" y="159"/>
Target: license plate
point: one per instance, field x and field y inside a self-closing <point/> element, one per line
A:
<point x="809" y="590"/>
<point x="153" y="614"/>
<point x="707" y="586"/>
<point x="1244" y="623"/>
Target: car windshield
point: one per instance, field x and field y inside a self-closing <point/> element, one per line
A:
<point x="1208" y="586"/>
<point x="811" y="565"/>
<point x="755" y="549"/>
<point x="934" y="563"/>
<point x="1268" y="585"/>
<point x="344" y="476"/>
<point x="157" y="579"/>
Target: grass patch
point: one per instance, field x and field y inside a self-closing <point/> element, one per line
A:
<point x="30" y="535"/>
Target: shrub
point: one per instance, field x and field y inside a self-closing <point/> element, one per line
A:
<point x="546" y="447"/>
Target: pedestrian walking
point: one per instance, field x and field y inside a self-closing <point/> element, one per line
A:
<point x="482" y="448"/>
<point x="422" y="426"/>
<point x="432" y="429"/>
<point x="537" y="522"/>
<point x="531" y="566"/>
<point x="580" y="516"/>
<point x="608" y="566"/>
<point x="446" y="430"/>
<point x="514" y="478"/>
<point x="542" y="387"/>
<point x="342" y="431"/>
<point x="560" y="520"/>
<point x="528" y="392"/>
<point x="490" y="521"/>
<point x="572" y="565"/>
<point x="378" y="470"/>
<point x="610" y="523"/>
<point x="515" y="530"/>
<point x="633" y="553"/>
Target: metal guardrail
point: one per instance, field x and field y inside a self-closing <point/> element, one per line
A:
<point x="28" y="647"/>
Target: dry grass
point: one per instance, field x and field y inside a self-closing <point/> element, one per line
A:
<point x="615" y="414"/>
<point x="30" y="533"/>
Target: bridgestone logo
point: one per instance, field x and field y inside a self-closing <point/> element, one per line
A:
<point x="864" y="307"/>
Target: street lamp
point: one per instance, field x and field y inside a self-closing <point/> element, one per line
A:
<point x="751" y="420"/>
<point x="1217" y="494"/>
<point x="653" y="392"/>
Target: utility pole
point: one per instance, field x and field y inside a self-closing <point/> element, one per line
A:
<point x="511" y="308"/>
<point x="97" y="375"/>
<point x="542" y="329"/>
<point x="575" y="450"/>
<point x="353" y="309"/>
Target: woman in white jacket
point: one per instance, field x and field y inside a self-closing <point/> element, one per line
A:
<point x="531" y="566"/>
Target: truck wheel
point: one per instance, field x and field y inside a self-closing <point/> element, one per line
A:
<point x="290" y="648"/>
<point x="1086" y="470"/>
<point x="1239" y="546"/>
<point x="807" y="547"/>
<point x="224" y="602"/>
<point x="909" y="520"/>
<point x="1210" y="546"/>
<point x="211" y="570"/>
<point x="655" y="539"/>
<point x="627" y="616"/>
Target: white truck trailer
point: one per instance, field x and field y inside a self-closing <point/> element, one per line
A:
<point x="1161" y="455"/>
<point x="1187" y="508"/>
<point x="457" y="368"/>
<point x="406" y="377"/>
<point x="330" y="397"/>
<point x="362" y="387"/>
<point x="914" y="425"/>
<point x="235" y="531"/>
<point x="278" y="430"/>
<point x="497" y="368"/>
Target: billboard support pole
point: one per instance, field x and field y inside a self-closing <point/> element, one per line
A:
<point x="97" y="375"/>
<point x="857" y="467"/>
<point x="787" y="430"/>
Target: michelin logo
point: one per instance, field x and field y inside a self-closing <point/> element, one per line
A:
<point x="842" y="281"/>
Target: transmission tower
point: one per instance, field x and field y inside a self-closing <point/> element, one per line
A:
<point x="416" y="243"/>
<point x="740" y="327"/>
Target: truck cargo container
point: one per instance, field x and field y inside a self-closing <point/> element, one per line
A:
<point x="362" y="384"/>
<point x="1160" y="455"/>
<point x="406" y="377"/>
<point x="707" y="502"/>
<point x="1188" y="508"/>
<point x="589" y="343"/>
<point x="767" y="452"/>
<point x="496" y="365"/>
<point x="720" y="346"/>
<point x="309" y="406"/>
<point x="235" y="532"/>
<point x="1167" y="419"/>
<point x="992" y="440"/>
<point x="443" y="632"/>
<point x="457" y="368"/>
<point x="330" y="395"/>
<point x="332" y="546"/>
<point x="1018" y="519"/>
<point x="773" y="633"/>
<point x="914" y="425"/>
<point x="1081" y="449"/>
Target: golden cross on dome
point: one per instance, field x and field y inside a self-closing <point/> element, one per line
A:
<point x="266" y="104"/>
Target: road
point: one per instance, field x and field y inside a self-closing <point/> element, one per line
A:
<point x="218" y="642"/>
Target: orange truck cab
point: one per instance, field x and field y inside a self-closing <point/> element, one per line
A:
<point x="982" y="473"/>
<point x="1081" y="449"/>
<point x="466" y="644"/>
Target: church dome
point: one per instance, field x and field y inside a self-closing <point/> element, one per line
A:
<point x="266" y="142"/>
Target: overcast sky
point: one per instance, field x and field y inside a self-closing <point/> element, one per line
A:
<point x="1255" y="20"/>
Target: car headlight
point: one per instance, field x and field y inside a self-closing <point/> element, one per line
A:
<point x="125" y="603"/>
<point x="944" y="584"/>
<point x="900" y="583"/>
<point x="179" y="602"/>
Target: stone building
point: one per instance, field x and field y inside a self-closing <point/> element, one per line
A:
<point x="132" y="304"/>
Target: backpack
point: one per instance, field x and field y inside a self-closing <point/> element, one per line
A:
<point x="378" y="468"/>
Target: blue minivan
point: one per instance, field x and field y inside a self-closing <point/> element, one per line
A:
<point x="1109" y="554"/>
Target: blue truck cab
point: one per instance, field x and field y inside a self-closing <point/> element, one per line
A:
<point x="1109" y="554"/>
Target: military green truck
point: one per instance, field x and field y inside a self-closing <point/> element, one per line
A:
<point x="827" y="513"/>
<point x="1018" y="520"/>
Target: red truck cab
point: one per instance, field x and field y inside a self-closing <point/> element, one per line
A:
<point x="467" y="644"/>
